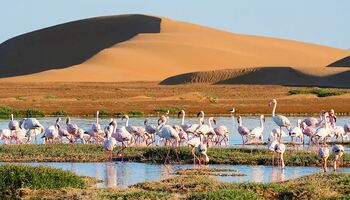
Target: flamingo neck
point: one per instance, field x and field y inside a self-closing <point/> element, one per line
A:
<point x="97" y="117"/>
<point x="240" y="122"/>
<point x="183" y="119"/>
<point x="127" y="122"/>
<point x="274" y="109"/>
<point x="11" y="117"/>
<point x="210" y="123"/>
<point x="261" y="123"/>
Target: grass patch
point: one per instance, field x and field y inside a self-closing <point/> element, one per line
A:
<point x="141" y="194"/>
<point x="104" y="113"/>
<point x="319" y="92"/>
<point x="60" y="113"/>
<point x="19" y="98"/>
<point x="95" y="153"/>
<point x="15" y="177"/>
<point x="50" y="97"/>
<point x="224" y="194"/>
<point x="133" y="113"/>
<point x="212" y="98"/>
<point x="165" y="109"/>
<point x="209" y="171"/>
<point x="6" y="111"/>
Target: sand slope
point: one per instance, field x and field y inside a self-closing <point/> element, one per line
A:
<point x="264" y="76"/>
<point x="182" y="48"/>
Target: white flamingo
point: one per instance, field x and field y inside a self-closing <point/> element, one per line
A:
<point x="138" y="132"/>
<point x="63" y="133"/>
<point x="242" y="130"/>
<point x="13" y="124"/>
<point x="323" y="132"/>
<point x="5" y="135"/>
<point x="71" y="128"/>
<point x="188" y="128"/>
<point x="204" y="129"/>
<point x="297" y="132"/>
<point x="150" y="132"/>
<point x="339" y="132"/>
<point x="323" y="152"/>
<point x="95" y="130"/>
<point x="110" y="143"/>
<point x="275" y="134"/>
<point x="279" y="148"/>
<point x="169" y="134"/>
<point x="51" y="133"/>
<point x="257" y="132"/>
<point x="338" y="151"/>
<point x="280" y="120"/>
<point x="32" y="126"/>
<point x="123" y="136"/>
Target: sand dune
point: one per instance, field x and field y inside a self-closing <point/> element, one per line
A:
<point x="344" y="62"/>
<point x="264" y="76"/>
<point x="179" y="48"/>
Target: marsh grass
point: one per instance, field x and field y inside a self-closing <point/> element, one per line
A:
<point x="15" y="177"/>
<point x="133" y="113"/>
<point x="95" y="153"/>
<point x="163" y="110"/>
<point x="60" y="113"/>
<point x="319" y="92"/>
<point x="6" y="111"/>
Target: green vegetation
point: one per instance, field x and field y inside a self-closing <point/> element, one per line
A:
<point x="60" y="113"/>
<point x="15" y="177"/>
<point x="163" y="110"/>
<point x="212" y="98"/>
<point x="319" y="92"/>
<point x="6" y="111"/>
<point x="140" y="194"/>
<point x="224" y="194"/>
<point x="50" y="97"/>
<point x="19" y="98"/>
<point x="95" y="153"/>
<point x="133" y="113"/>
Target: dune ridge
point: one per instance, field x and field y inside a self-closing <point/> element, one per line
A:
<point x="263" y="76"/>
<point x="344" y="62"/>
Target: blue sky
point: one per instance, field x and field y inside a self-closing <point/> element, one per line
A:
<point x="316" y="21"/>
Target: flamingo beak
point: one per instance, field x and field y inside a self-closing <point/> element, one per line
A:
<point x="198" y="114"/>
<point x="264" y="119"/>
<point x="214" y="121"/>
<point x="159" y="120"/>
<point x="178" y="114"/>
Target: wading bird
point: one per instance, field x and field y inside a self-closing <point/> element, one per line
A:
<point x="279" y="148"/>
<point x="32" y="126"/>
<point x="242" y="130"/>
<point x="257" y="132"/>
<point x="338" y="151"/>
<point x="297" y="132"/>
<point x="280" y="120"/>
<point x="323" y="152"/>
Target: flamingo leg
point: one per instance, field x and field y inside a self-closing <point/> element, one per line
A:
<point x="167" y="155"/>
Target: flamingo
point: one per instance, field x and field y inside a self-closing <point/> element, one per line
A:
<point x="323" y="132"/>
<point x="338" y="151"/>
<point x="169" y="134"/>
<point x="51" y="132"/>
<point x="138" y="132"/>
<point x="308" y="131"/>
<point x="339" y="132"/>
<point x="33" y="126"/>
<point x="297" y="132"/>
<point x="220" y="131"/>
<point x="63" y="133"/>
<point x="110" y="142"/>
<point x="194" y="143"/>
<point x="18" y="135"/>
<point x="5" y="135"/>
<point x="71" y="128"/>
<point x="242" y="130"/>
<point x="279" y="148"/>
<point x="257" y="132"/>
<point x="150" y="132"/>
<point x="95" y="130"/>
<point x="188" y="128"/>
<point x="275" y="134"/>
<point x="13" y="124"/>
<point x="323" y="152"/>
<point x="204" y="129"/>
<point x="312" y="121"/>
<point x="202" y="151"/>
<point x="280" y="120"/>
<point x="123" y="136"/>
<point x="347" y="128"/>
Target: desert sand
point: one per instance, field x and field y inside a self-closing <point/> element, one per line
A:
<point x="178" y="48"/>
<point x="149" y="97"/>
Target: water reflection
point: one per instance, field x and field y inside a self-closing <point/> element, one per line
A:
<point x="127" y="173"/>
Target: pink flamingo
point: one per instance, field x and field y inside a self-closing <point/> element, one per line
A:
<point x="51" y="133"/>
<point x="323" y="132"/>
<point x="138" y="132"/>
<point x="323" y="152"/>
<point x="338" y="151"/>
<point x="123" y="136"/>
<point x="95" y="130"/>
<point x="312" y="121"/>
<point x="33" y="126"/>
<point x="169" y="134"/>
<point x="150" y="132"/>
<point x="5" y="135"/>
<point x="280" y="120"/>
<point x="279" y="148"/>
<point x="297" y="132"/>
<point x="220" y="131"/>
<point x="204" y="129"/>
<point x="308" y="131"/>
<point x="242" y="130"/>
<point x="257" y="132"/>
<point x="109" y="143"/>
<point x="188" y="128"/>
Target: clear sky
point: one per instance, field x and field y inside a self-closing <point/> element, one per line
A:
<point x="323" y="22"/>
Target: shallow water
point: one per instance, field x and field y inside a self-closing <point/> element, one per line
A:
<point x="235" y="138"/>
<point x="125" y="174"/>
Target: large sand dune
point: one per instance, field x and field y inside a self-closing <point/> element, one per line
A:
<point x="179" y="48"/>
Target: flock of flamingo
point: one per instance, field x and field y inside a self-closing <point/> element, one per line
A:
<point x="198" y="136"/>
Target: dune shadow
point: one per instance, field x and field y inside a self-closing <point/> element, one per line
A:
<point x="344" y="62"/>
<point x="69" y="44"/>
<point x="287" y="76"/>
